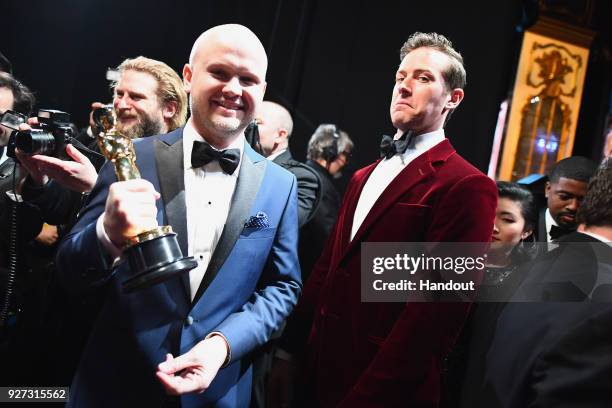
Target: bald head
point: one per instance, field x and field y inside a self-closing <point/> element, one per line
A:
<point x="232" y="35"/>
<point x="225" y="79"/>
<point x="275" y="127"/>
<point x="277" y="115"/>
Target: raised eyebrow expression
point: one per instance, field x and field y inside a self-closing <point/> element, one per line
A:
<point x="422" y="75"/>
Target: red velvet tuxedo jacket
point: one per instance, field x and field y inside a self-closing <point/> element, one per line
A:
<point x="390" y="354"/>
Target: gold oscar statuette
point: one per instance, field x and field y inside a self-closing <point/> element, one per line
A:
<point x="154" y="255"/>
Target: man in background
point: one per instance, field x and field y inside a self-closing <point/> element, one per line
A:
<point x="557" y="324"/>
<point x="275" y="127"/>
<point x="564" y="191"/>
<point x="148" y="99"/>
<point x="329" y="150"/>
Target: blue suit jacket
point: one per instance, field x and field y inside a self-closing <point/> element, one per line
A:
<point x="250" y="286"/>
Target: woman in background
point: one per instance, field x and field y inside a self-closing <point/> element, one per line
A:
<point x="513" y="240"/>
<point x="512" y="244"/>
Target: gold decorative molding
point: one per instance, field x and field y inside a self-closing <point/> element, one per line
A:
<point x="546" y="99"/>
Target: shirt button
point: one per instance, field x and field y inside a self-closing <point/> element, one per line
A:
<point x="189" y="321"/>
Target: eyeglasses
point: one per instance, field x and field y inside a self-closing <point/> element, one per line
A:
<point x="12" y="119"/>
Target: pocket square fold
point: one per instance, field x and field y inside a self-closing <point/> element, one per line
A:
<point x="258" y="221"/>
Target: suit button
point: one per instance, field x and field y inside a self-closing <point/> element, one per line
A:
<point x="322" y="311"/>
<point x="189" y="321"/>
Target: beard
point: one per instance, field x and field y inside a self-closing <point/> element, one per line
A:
<point x="145" y="126"/>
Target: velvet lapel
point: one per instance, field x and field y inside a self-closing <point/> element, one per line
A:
<point x="416" y="171"/>
<point x="169" y="149"/>
<point x="251" y="174"/>
<point x="352" y="197"/>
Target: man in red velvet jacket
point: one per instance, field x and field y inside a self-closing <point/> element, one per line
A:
<point x="390" y="354"/>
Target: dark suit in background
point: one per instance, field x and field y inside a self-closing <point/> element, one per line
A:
<point x="314" y="234"/>
<point x="308" y="194"/>
<point x="557" y="353"/>
<point x="541" y="232"/>
<point x="308" y="184"/>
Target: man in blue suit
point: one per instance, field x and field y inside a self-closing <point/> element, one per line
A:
<point x="237" y="215"/>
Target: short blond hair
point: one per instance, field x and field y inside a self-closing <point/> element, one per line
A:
<point x="170" y="85"/>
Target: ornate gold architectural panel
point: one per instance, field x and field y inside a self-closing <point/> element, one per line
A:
<point x="546" y="99"/>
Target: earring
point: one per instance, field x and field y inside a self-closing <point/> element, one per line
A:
<point x="531" y="239"/>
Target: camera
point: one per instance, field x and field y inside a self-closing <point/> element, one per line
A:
<point x="12" y="119"/>
<point x="50" y="138"/>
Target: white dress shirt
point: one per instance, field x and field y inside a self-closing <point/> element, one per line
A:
<point x="208" y="195"/>
<point x="387" y="170"/>
<point x="275" y="155"/>
<point x="550" y="221"/>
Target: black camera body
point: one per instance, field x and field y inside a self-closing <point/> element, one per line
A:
<point x="50" y="138"/>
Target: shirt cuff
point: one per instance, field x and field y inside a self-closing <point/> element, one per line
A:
<point x="112" y="249"/>
<point x="229" y="350"/>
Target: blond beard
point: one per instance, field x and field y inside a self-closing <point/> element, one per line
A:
<point x="142" y="128"/>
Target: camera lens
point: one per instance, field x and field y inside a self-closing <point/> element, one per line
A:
<point x="35" y="141"/>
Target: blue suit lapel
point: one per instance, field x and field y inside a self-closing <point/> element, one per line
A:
<point x="170" y="172"/>
<point x="251" y="174"/>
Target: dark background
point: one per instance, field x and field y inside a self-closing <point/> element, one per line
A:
<point x="329" y="61"/>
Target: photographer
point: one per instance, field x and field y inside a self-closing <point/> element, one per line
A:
<point x="148" y="99"/>
<point x="16" y="97"/>
<point x="22" y="285"/>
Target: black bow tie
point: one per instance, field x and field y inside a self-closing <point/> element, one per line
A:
<point x="203" y="153"/>
<point x="557" y="232"/>
<point x="390" y="147"/>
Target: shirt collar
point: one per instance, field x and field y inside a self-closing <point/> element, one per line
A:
<point x="190" y="135"/>
<point x="550" y="221"/>
<point x="275" y="155"/>
<point x="424" y="142"/>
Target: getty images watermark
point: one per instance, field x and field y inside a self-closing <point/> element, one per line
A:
<point x="462" y="272"/>
<point x="421" y="272"/>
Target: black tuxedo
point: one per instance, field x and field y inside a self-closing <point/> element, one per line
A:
<point x="314" y="234"/>
<point x="557" y="352"/>
<point x="309" y="185"/>
<point x="541" y="232"/>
